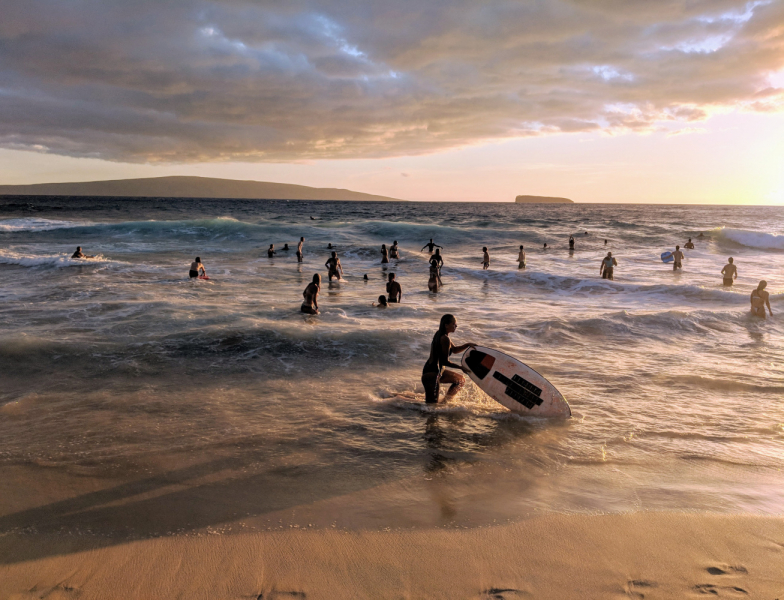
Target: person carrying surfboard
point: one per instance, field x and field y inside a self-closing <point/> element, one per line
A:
<point x="730" y="272"/>
<point x="310" y="296"/>
<point x="677" y="258"/>
<point x="606" y="268"/>
<point x="334" y="268"/>
<point x="196" y="267"/>
<point x="434" y="373"/>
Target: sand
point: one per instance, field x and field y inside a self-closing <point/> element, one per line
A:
<point x="637" y="555"/>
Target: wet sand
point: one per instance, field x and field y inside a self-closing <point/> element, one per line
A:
<point x="634" y="555"/>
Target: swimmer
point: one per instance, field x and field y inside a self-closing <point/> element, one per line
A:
<point x="334" y="268"/>
<point x="730" y="272"/>
<point x="433" y="373"/>
<point x="382" y="302"/>
<point x="394" y="250"/>
<point x="586" y="233"/>
<point x="759" y="299"/>
<point x="196" y="266"/>
<point x="394" y="290"/>
<point x="689" y="245"/>
<point x="384" y="256"/>
<point x="271" y="251"/>
<point x="299" y="249"/>
<point x="310" y="296"/>
<point x="571" y="242"/>
<point x="702" y="235"/>
<point x="79" y="254"/>
<point x="365" y="277"/>
<point x="485" y="259"/>
<point x="329" y="246"/>
<point x="285" y="248"/>
<point x="545" y="246"/>
<point x="521" y="258"/>
<point x="605" y="242"/>
<point x="606" y="268"/>
<point x="430" y="245"/>
<point x="678" y="257"/>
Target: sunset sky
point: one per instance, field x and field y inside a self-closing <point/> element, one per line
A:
<point x="596" y="100"/>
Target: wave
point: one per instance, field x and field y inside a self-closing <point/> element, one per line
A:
<point x="752" y="239"/>
<point x="35" y="224"/>
<point x="9" y="257"/>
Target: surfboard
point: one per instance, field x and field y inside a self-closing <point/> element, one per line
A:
<point x="667" y="257"/>
<point x="513" y="384"/>
<point x="203" y="277"/>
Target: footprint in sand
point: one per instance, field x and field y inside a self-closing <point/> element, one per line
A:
<point x="637" y="588"/>
<point x="723" y="591"/>
<point x="276" y="595"/>
<point x="501" y="593"/>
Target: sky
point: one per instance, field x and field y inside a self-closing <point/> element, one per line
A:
<point x="596" y="100"/>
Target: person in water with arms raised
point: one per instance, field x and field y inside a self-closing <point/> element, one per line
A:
<point x="434" y="373"/>
<point x="310" y="296"/>
<point x="393" y="289"/>
<point x="79" y="254"/>
<point x="196" y="266"/>
<point x="430" y="245"/>
<point x="730" y="272"/>
<point x="334" y="268"/>
<point x="759" y="299"/>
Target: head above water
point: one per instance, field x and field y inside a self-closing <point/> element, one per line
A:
<point x="448" y="324"/>
<point x="382" y="300"/>
<point x="391" y="277"/>
<point x="302" y="239"/>
<point x="609" y="254"/>
<point x="78" y="248"/>
<point x="384" y="246"/>
<point x="521" y="246"/>
<point x="334" y="254"/>
<point x="730" y="260"/>
<point x="438" y="252"/>
<point x="272" y="245"/>
<point x="677" y="247"/>
<point x="484" y="248"/>
<point x="317" y="279"/>
<point x="198" y="259"/>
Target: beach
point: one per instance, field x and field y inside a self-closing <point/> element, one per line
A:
<point x="170" y="437"/>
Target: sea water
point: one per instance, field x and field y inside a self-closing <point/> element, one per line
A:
<point x="135" y="401"/>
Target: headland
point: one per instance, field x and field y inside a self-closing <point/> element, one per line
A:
<point x="542" y="200"/>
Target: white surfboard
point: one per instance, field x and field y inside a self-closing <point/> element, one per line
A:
<point x="514" y="384"/>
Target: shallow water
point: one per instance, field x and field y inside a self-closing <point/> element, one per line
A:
<point x="216" y="402"/>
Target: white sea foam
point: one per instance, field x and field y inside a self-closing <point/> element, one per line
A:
<point x="9" y="257"/>
<point x="35" y="224"/>
<point x="753" y="239"/>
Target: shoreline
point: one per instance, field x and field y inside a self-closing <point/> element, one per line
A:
<point x="637" y="555"/>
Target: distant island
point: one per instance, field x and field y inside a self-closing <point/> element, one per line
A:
<point x="542" y="200"/>
<point x="190" y="187"/>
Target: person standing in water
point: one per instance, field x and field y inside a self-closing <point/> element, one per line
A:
<point x="196" y="266"/>
<point x="606" y="268"/>
<point x="677" y="258"/>
<point x="545" y="246"/>
<point x="299" y="249"/>
<point x="434" y="282"/>
<point x="434" y="373"/>
<point x="730" y="272"/>
<point x="394" y="290"/>
<point x="485" y="259"/>
<point x="271" y="251"/>
<point x="382" y="302"/>
<point x="689" y="245"/>
<point x="430" y="245"/>
<point x="438" y="260"/>
<point x="310" y="296"/>
<point x="571" y="242"/>
<point x="760" y="299"/>
<point x="394" y="251"/>
<point x="79" y="254"/>
<point x="334" y="268"/>
<point x="384" y="256"/>
<point x="521" y="258"/>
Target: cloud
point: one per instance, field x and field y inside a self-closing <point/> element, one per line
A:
<point x="222" y="80"/>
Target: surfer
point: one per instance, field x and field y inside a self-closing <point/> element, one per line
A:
<point x="384" y="256"/>
<point x="545" y="246"/>
<point x="196" y="266"/>
<point x="310" y="296"/>
<point x="271" y="251"/>
<point x="80" y="254"/>
<point x="759" y="299"/>
<point x="334" y="268"/>
<point x="689" y="245"/>
<point x="382" y="302"/>
<point x="433" y="373"/>
<point x="329" y="246"/>
<point x="430" y="245"/>
<point x="485" y="259"/>
<point x="521" y="258"/>
<point x="299" y="249"/>
<point x="677" y="257"/>
<point x="702" y="235"/>
<point x="606" y="268"/>
<point x="393" y="289"/>
<point x="571" y="243"/>
<point x="394" y="250"/>
<point x="730" y="272"/>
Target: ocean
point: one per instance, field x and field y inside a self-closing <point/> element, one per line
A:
<point x="135" y="402"/>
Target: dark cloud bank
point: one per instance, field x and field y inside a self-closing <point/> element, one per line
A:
<point x="291" y="79"/>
